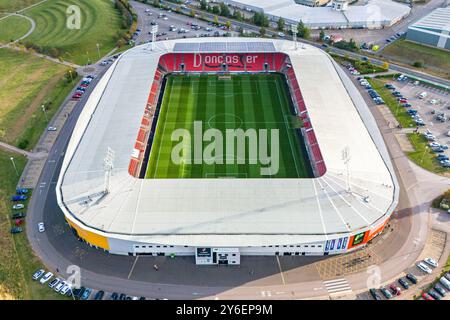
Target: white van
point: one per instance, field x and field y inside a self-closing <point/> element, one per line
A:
<point x="422" y="95"/>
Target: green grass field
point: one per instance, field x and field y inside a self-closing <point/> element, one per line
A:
<point x="12" y="28"/>
<point x="8" y="6"/>
<point x="17" y="261"/>
<point x="435" y="60"/>
<point x="242" y="102"/>
<point x="26" y="83"/>
<point x="100" y="23"/>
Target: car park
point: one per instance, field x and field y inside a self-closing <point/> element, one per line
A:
<point x="38" y="274"/>
<point x="15" y="230"/>
<point x="403" y="283"/>
<point x="374" y="294"/>
<point x="386" y="293"/>
<point x="46" y="277"/>
<point x="422" y="266"/>
<point x="411" y="278"/>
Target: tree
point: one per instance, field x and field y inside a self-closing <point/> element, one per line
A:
<point x="303" y="31"/>
<point x="192" y="13"/>
<point x="203" y="5"/>
<point x="260" y="19"/>
<point x="262" y="31"/>
<point x="237" y="15"/>
<point x="281" y="24"/>
<point x="216" y="20"/>
<point x="224" y="10"/>
<point x="241" y="31"/>
<point x="228" y="24"/>
<point x="385" y="66"/>
<point x="321" y="35"/>
<point x="216" y="10"/>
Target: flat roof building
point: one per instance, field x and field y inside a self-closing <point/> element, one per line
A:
<point x="432" y="30"/>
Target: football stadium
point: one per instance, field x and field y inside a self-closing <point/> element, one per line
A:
<point x="223" y="147"/>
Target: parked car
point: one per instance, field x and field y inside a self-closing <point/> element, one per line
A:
<point x="122" y="296"/>
<point x="386" y="293"/>
<point x="22" y="191"/>
<point x="19" y="215"/>
<point x="431" y="262"/>
<point x="445" y="283"/>
<point x="114" y="296"/>
<point x="78" y="292"/>
<point x="54" y="282"/>
<point x="434" y="294"/>
<point x="46" y="277"/>
<point x="447" y="276"/>
<point x="38" y="274"/>
<point x="51" y="129"/>
<point x="403" y="283"/>
<point x="59" y="286"/>
<point x="395" y="289"/>
<point x="41" y="227"/>
<point x="426" y="296"/>
<point x="442" y="157"/>
<point x="440" y="290"/>
<point x="99" y="295"/>
<point x="86" y="294"/>
<point x="374" y="294"/>
<point x="422" y="266"/>
<point x="16" y="230"/>
<point x="411" y="278"/>
<point x="18" y="197"/>
<point x="65" y="289"/>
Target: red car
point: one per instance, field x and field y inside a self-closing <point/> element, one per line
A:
<point x="75" y="96"/>
<point x="18" y="222"/>
<point x="403" y="101"/>
<point x="395" y="290"/>
<point x="83" y="85"/>
<point x="426" y="296"/>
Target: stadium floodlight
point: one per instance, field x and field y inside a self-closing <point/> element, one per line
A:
<point x="346" y="158"/>
<point x="108" y="165"/>
<point x="154" y="31"/>
<point x="294" y="34"/>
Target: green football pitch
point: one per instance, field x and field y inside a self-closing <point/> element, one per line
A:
<point x="250" y="103"/>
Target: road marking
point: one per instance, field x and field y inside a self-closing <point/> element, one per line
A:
<point x="337" y="286"/>
<point x="281" y="270"/>
<point x="132" y="267"/>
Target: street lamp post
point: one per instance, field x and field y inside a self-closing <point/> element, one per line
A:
<point x="98" y="51"/>
<point x="294" y="34"/>
<point x="45" y="113"/>
<point x="14" y="165"/>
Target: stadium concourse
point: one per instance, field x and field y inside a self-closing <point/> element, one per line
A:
<point x="107" y="201"/>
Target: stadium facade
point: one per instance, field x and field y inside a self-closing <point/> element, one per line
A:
<point x="108" y="203"/>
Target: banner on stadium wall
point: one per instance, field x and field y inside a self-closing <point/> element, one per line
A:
<point x="336" y="244"/>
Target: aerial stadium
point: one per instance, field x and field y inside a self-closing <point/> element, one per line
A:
<point x="222" y="147"/>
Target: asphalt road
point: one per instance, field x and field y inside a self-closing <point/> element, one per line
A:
<point x="180" y="278"/>
<point x="380" y="37"/>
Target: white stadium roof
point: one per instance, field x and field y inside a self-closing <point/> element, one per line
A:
<point x="204" y="211"/>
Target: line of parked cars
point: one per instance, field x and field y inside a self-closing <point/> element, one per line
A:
<point x="18" y="217"/>
<point x="372" y="93"/>
<point x="351" y="69"/>
<point x="81" y="89"/>
<point x="438" y="291"/>
<point x="437" y="148"/>
<point x="394" y="289"/>
<point x="63" y="287"/>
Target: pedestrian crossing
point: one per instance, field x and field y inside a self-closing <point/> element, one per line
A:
<point x="337" y="286"/>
